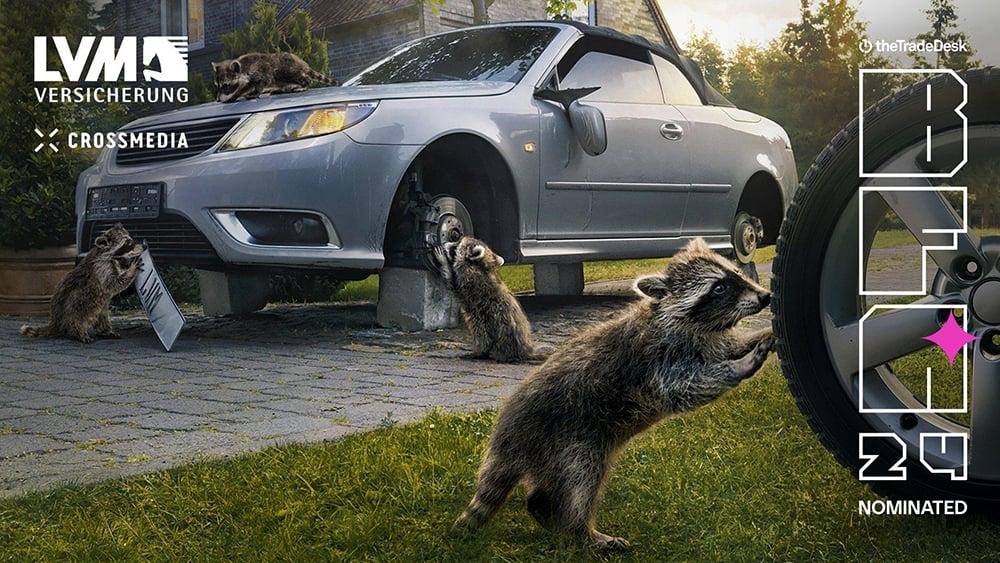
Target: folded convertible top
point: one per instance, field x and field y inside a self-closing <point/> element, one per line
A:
<point x="671" y="52"/>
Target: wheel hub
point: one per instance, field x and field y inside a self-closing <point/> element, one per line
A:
<point x="450" y="229"/>
<point x="749" y="239"/>
<point x="986" y="302"/>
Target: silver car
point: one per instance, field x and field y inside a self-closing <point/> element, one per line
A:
<point x="554" y="142"/>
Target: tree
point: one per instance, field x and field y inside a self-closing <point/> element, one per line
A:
<point x="705" y="49"/>
<point x="563" y="9"/>
<point x="263" y="34"/>
<point x="943" y="17"/>
<point x="811" y="83"/>
<point x="37" y="188"/>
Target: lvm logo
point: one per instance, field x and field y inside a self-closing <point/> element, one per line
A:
<point x="111" y="62"/>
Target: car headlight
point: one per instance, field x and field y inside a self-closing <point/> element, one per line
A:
<point x="271" y="127"/>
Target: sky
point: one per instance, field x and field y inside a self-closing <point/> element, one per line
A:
<point x="736" y="21"/>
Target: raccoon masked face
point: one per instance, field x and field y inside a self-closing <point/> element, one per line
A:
<point x="470" y="252"/>
<point x="228" y="78"/>
<point x="704" y="291"/>
<point x="114" y="241"/>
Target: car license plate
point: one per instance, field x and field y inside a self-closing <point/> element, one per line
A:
<point x="160" y="307"/>
<point x="131" y="201"/>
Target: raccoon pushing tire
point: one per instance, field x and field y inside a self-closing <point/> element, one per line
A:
<point x="853" y="396"/>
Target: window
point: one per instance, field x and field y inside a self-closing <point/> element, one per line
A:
<point x="184" y="17"/>
<point x="621" y="79"/>
<point x="677" y="90"/>
<point x="501" y="54"/>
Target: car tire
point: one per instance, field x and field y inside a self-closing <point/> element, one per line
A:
<point x="749" y="270"/>
<point x="827" y="188"/>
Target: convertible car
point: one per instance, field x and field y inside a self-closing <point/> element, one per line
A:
<point x="554" y="142"/>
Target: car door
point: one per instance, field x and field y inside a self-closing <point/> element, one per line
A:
<point x="638" y="187"/>
<point x="715" y="148"/>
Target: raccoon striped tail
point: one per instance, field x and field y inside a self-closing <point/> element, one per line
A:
<point x="323" y="78"/>
<point x="37" y="331"/>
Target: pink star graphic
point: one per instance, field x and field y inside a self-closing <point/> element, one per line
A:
<point x="952" y="338"/>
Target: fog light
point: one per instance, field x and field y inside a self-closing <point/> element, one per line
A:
<point x="278" y="228"/>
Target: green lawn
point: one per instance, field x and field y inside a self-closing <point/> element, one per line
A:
<point x="742" y="479"/>
<point x="519" y="278"/>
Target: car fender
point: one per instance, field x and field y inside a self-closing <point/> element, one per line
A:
<point x="508" y="124"/>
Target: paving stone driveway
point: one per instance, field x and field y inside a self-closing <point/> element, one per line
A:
<point x="82" y="413"/>
<point x="77" y="413"/>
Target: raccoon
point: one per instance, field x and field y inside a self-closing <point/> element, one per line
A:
<point x="82" y="297"/>
<point x="560" y="433"/>
<point x="499" y="328"/>
<point x="254" y="74"/>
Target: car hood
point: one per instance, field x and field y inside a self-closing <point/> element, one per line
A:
<point x="450" y="89"/>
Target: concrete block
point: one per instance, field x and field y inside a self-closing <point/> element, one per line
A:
<point x="413" y="300"/>
<point x="559" y="279"/>
<point x="226" y="293"/>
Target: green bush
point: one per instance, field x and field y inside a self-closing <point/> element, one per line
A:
<point x="182" y="282"/>
<point x="37" y="200"/>
<point x="262" y="34"/>
<point x="304" y="287"/>
<point x="36" y="188"/>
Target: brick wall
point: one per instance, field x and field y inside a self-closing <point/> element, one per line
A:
<point x="355" y="46"/>
<point x="456" y="14"/>
<point x="142" y="17"/>
<point x="137" y="17"/>
<point x="629" y="16"/>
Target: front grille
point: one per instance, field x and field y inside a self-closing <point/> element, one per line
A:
<point x="200" y="137"/>
<point x="171" y="239"/>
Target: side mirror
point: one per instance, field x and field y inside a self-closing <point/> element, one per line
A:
<point x="587" y="121"/>
<point x="588" y="124"/>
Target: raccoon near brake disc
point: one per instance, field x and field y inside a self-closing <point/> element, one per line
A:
<point x="444" y="220"/>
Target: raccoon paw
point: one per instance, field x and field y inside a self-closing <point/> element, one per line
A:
<point x="86" y="339"/>
<point x="110" y="334"/>
<point x="604" y="541"/>
<point x="760" y="353"/>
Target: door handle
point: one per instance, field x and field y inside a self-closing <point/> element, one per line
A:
<point x="671" y="131"/>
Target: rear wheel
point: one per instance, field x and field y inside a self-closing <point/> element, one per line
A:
<point x="818" y="309"/>
<point x="746" y="238"/>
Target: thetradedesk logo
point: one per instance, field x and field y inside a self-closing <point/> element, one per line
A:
<point x="110" y="62"/>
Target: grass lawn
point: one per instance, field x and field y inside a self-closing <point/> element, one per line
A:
<point x="519" y="278"/>
<point x="742" y="479"/>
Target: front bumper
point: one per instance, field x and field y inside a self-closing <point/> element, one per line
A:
<point x="348" y="183"/>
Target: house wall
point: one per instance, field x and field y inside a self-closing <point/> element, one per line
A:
<point x="353" y="47"/>
<point x="142" y="17"/>
<point x="629" y="16"/>
<point x="454" y="14"/>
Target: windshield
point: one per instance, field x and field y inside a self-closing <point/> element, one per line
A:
<point x="501" y="54"/>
